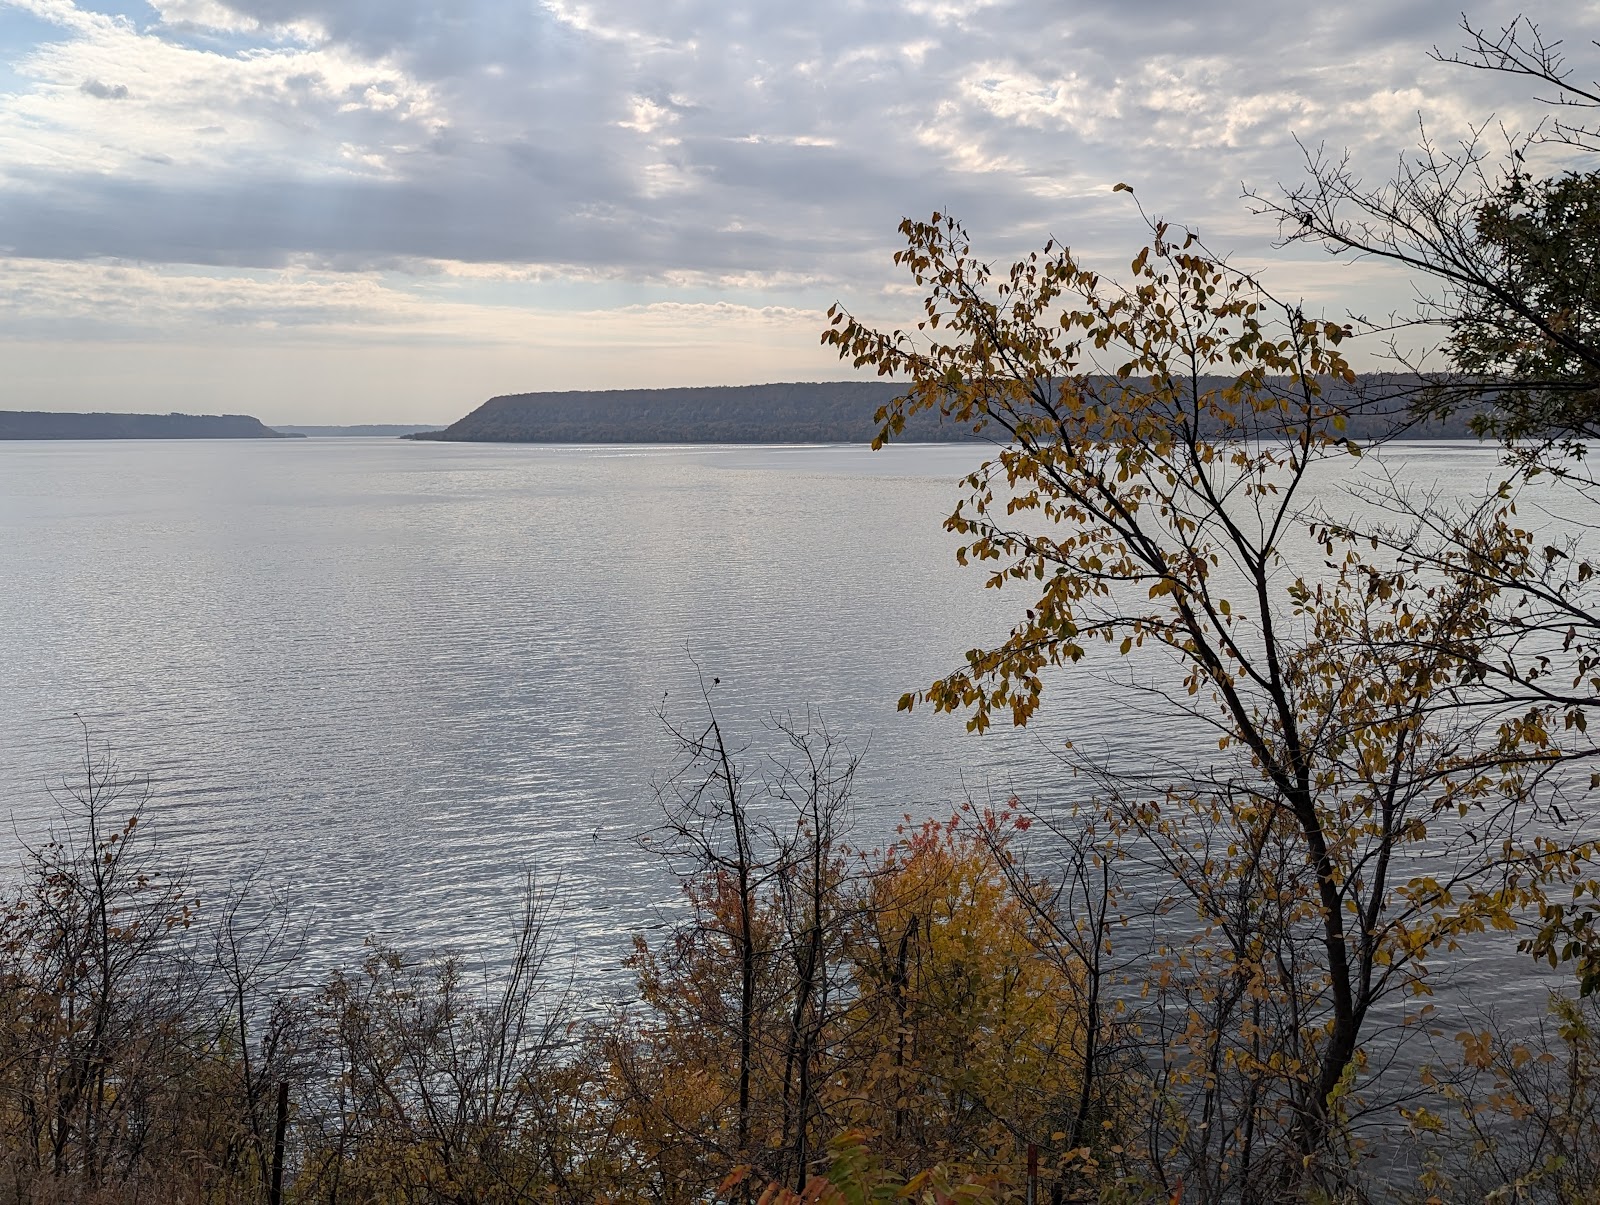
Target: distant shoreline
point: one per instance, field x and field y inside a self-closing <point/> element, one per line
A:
<point x="800" y="412"/>
<point x="354" y="430"/>
<point x="48" y="425"/>
<point x="784" y="414"/>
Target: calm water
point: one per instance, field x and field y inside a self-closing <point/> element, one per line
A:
<point x="393" y="676"/>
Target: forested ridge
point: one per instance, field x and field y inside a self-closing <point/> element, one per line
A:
<point x="815" y="412"/>
<point x="43" y="424"/>
<point x="801" y="412"/>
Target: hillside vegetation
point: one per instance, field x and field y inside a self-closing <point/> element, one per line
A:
<point x="40" y="424"/>
<point x="802" y="412"/>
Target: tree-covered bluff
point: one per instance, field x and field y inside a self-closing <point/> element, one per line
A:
<point x="798" y="412"/>
<point x="41" y="424"/>
<point x="816" y="412"/>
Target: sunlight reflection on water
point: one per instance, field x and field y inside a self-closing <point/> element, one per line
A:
<point x="391" y="676"/>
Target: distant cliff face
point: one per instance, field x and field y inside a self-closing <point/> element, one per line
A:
<point x="40" y="424"/>
<point x="821" y="412"/>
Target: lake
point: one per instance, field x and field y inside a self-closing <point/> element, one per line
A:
<point x="392" y="676"/>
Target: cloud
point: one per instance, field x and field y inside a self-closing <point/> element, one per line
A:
<point x="753" y="156"/>
<point x="679" y="137"/>
<point x="103" y="91"/>
<point x="312" y="346"/>
<point x="109" y="300"/>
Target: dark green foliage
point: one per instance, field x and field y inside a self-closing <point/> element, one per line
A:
<point x="1535" y="322"/>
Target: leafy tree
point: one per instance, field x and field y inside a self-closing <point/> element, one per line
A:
<point x="857" y="1176"/>
<point x="1509" y="254"/>
<point x="1515" y="1114"/>
<point x="740" y="1027"/>
<point x="902" y="993"/>
<point x="1537" y="336"/>
<point x="1504" y="245"/>
<point x="1154" y="443"/>
<point x="972" y="1042"/>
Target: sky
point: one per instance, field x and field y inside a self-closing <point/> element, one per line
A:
<point x="345" y="211"/>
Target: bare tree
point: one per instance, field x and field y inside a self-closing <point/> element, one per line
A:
<point x="96" y="965"/>
<point x="759" y="962"/>
<point x="442" y="1085"/>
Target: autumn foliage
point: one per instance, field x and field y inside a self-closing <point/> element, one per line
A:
<point x="1365" y="804"/>
<point x="904" y="1037"/>
<point x="1208" y="979"/>
<point x="1200" y="984"/>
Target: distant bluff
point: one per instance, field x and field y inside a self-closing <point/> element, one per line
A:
<point x="796" y="412"/>
<point x="42" y="424"/>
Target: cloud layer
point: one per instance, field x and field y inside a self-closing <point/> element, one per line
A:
<point x="380" y="169"/>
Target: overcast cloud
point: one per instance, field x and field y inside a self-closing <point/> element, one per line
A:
<point x="405" y="205"/>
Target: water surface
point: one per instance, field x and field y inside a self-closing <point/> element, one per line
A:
<point x="393" y="676"/>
